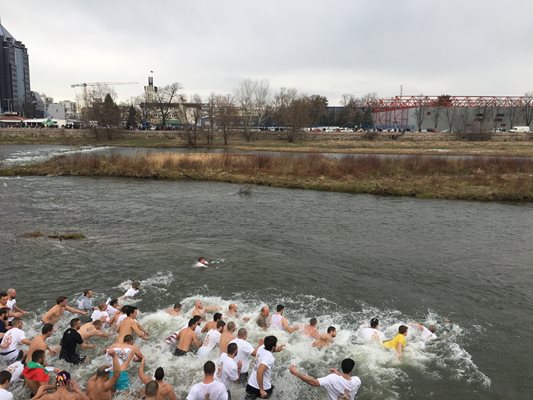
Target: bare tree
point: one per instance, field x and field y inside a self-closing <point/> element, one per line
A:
<point x="245" y="97"/>
<point x="210" y="110"/>
<point x="451" y="116"/>
<point x="225" y="114"/>
<point x="261" y="100"/>
<point x="166" y="98"/>
<point x="196" y="114"/>
<point x="297" y="116"/>
<point x="420" y="113"/>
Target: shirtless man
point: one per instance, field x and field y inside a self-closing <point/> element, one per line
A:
<point x="101" y="385"/>
<point x="311" y="330"/>
<point x="165" y="390"/>
<point x="280" y="322"/>
<point x="174" y="311"/>
<point x="130" y="325"/>
<point x="90" y="329"/>
<point x="187" y="338"/>
<point x="200" y="310"/>
<point x="212" y="324"/>
<point x="325" y="339"/>
<point x="39" y="341"/>
<point x="232" y="313"/>
<point x="54" y="314"/>
<point x="263" y="320"/>
<point x="125" y="352"/>
<point x="227" y="336"/>
<point x="66" y="389"/>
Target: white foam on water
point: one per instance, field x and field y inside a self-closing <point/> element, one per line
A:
<point x="383" y="375"/>
<point x="35" y="156"/>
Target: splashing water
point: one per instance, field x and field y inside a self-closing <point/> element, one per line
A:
<point x="383" y="376"/>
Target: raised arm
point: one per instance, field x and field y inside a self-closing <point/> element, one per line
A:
<point x="75" y="310"/>
<point x="306" y="378"/>
<point x="142" y="376"/>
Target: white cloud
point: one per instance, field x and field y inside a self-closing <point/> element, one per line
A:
<point x="335" y="47"/>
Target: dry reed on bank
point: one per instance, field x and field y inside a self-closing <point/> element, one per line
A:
<point x="477" y="178"/>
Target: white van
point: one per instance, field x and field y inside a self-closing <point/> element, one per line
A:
<point x="519" y="129"/>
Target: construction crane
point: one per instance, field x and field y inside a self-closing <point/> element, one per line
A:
<point x="85" y="84"/>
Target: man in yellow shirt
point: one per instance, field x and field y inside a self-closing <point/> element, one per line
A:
<point x="398" y="342"/>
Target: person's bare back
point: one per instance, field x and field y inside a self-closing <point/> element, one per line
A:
<point x="186" y="338"/>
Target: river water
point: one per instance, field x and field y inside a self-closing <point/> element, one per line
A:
<point x="344" y="259"/>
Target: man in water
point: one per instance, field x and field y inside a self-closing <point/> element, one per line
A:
<point x="66" y="389"/>
<point x="399" y="342"/>
<point x="198" y="330"/>
<point x="339" y="385"/>
<point x="372" y="334"/>
<point x="229" y="369"/>
<point x="85" y="302"/>
<point x="101" y="386"/>
<point x="174" y="311"/>
<point x="278" y="321"/>
<point x="130" y="325"/>
<point x="325" y="339"/>
<point x="4" y="312"/>
<point x="246" y="350"/>
<point x="54" y="314"/>
<point x="71" y="338"/>
<point x="125" y="352"/>
<point x="10" y="350"/>
<point x="233" y="314"/>
<point x="227" y="336"/>
<point x="113" y="308"/>
<point x="5" y="379"/>
<point x="165" y="390"/>
<point x="132" y="291"/>
<point x="212" y="324"/>
<point x="187" y="338"/>
<point x="209" y="388"/>
<point x="259" y="384"/>
<point x="311" y="329"/>
<point x="4" y="303"/>
<point x="426" y="334"/>
<point x="101" y="314"/>
<point x="39" y="341"/>
<point x="211" y="339"/>
<point x="201" y="263"/>
<point x="90" y="329"/>
<point x="35" y="372"/>
<point x="199" y="309"/>
<point x="263" y="320"/>
<point x="12" y="302"/>
<point x="151" y="391"/>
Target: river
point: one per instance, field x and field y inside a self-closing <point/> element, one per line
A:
<point x="464" y="266"/>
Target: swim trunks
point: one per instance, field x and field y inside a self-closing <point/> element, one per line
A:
<point x="179" y="352"/>
<point x="123" y="381"/>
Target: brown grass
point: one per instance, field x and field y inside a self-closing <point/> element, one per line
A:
<point x="477" y="178"/>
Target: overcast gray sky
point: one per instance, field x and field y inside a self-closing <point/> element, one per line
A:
<point x="328" y="47"/>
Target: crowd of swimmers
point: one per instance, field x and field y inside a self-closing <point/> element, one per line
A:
<point x="230" y="359"/>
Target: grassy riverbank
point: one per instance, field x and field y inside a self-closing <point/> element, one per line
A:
<point x="484" y="179"/>
<point x="449" y="147"/>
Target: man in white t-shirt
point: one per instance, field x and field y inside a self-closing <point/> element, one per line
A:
<point x="16" y="372"/>
<point x="12" y="302"/>
<point x="338" y="385"/>
<point x="209" y="388"/>
<point x="372" y="334"/>
<point x="132" y="291"/>
<point x="246" y="350"/>
<point x="229" y="369"/>
<point x="10" y="347"/>
<point x="259" y="384"/>
<point x="101" y="314"/>
<point x="5" y="377"/>
<point x="427" y="334"/>
<point x="212" y="338"/>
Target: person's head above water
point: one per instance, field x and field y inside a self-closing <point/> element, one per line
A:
<point x="136" y="284"/>
<point x="374" y="322"/>
<point x="62" y="378"/>
<point x="313" y="322"/>
<point x="402" y="329"/>
<point x="202" y="260"/>
<point x="280" y="308"/>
